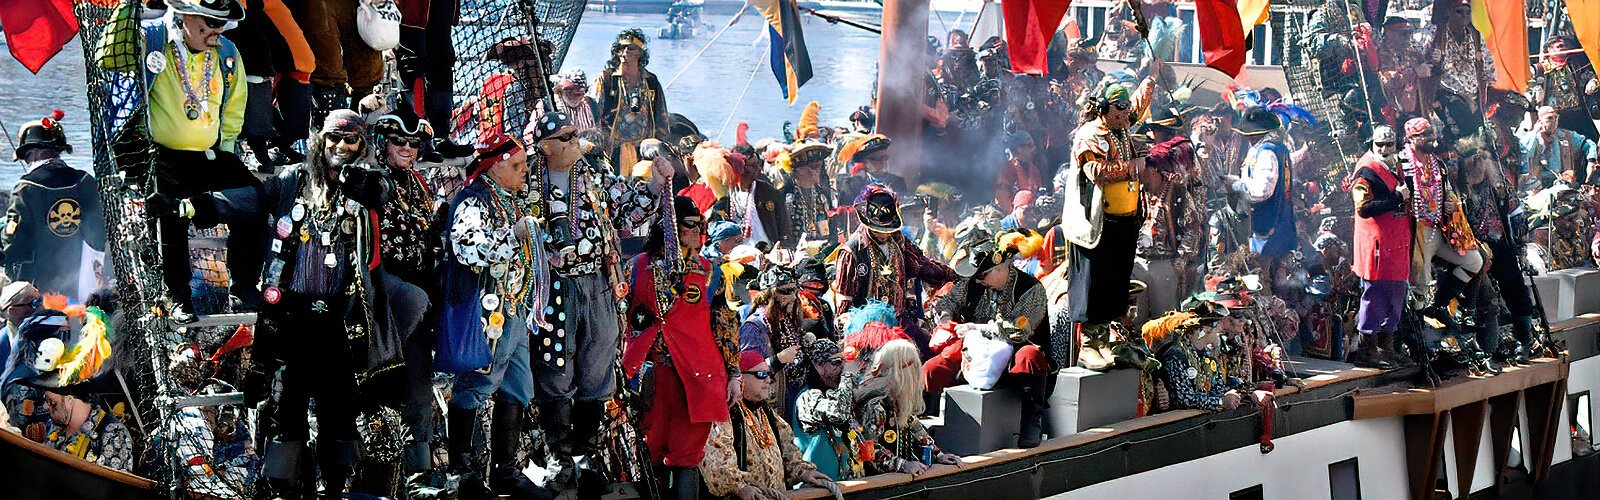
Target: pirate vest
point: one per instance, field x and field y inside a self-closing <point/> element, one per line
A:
<point x="55" y="210"/>
<point x="686" y="333"/>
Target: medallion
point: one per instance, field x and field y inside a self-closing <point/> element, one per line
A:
<point x="331" y="261"/>
<point x="298" y="213"/>
<point x="192" y="112"/>
<point x="490" y="302"/>
<point x="272" y="295"/>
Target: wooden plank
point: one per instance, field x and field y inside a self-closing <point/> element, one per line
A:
<point x="1399" y="400"/>
<point x="1424" y="435"/>
<point x="11" y="438"/>
<point x="1467" y="422"/>
<point x="1502" y="420"/>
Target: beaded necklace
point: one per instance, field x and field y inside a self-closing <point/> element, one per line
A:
<point x="193" y="104"/>
<point x="508" y="208"/>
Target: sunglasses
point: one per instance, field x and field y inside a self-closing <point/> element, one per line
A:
<point x="1384" y="144"/>
<point x="788" y="290"/>
<point x="690" y="223"/>
<point x="351" y="139"/>
<point x="1122" y="105"/>
<point x="406" y="142"/>
<point x="760" y="375"/>
<point x="214" y="23"/>
<point x="567" y="137"/>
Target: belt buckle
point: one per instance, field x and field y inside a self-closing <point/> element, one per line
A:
<point x="319" y="307"/>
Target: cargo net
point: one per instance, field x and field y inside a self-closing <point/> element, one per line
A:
<point x="500" y="72"/>
<point x="176" y="382"/>
<point x="1318" y="78"/>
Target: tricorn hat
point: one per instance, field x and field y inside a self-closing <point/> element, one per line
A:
<point x="226" y="10"/>
<point x="878" y="209"/>
<point x="1258" y="120"/>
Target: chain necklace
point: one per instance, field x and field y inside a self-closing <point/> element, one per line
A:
<point x="510" y="210"/>
<point x="193" y="104"/>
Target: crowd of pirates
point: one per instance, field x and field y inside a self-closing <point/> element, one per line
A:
<point x="736" y="320"/>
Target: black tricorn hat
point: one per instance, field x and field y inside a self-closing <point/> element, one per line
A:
<point x="45" y="133"/>
<point x="226" y="10"/>
<point x="1258" y="120"/>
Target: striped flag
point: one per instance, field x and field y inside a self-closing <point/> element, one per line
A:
<point x="1504" y="26"/>
<point x="791" y="65"/>
<point x="1221" y="35"/>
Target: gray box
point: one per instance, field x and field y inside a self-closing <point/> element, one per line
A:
<point x="977" y="421"/>
<point x="1085" y="399"/>
<point x="1556" y="293"/>
<point x="1585" y="286"/>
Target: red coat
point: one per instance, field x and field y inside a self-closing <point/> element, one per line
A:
<point x="690" y="341"/>
<point x="1382" y="240"/>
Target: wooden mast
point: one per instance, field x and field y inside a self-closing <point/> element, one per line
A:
<point x="902" y="69"/>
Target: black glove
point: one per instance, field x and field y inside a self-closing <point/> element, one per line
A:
<point x="449" y="149"/>
<point x="641" y="317"/>
<point x="158" y="206"/>
<point x="363" y="185"/>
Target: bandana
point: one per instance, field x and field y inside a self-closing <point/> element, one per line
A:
<point x="495" y="149"/>
<point x="777" y="276"/>
<point x="1115" y="93"/>
<point x="549" y="124"/>
<point x="343" y="121"/>
<point x="1418" y="125"/>
<point x="750" y="359"/>
<point x="822" y="349"/>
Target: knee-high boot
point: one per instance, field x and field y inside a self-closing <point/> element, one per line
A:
<point x="464" y="455"/>
<point x="505" y="475"/>
<point x="685" y="483"/>
<point x="1450" y="288"/>
<point x="1522" y="328"/>
<point x="280" y="465"/>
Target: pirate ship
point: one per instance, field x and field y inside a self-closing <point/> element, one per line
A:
<point x="1346" y="433"/>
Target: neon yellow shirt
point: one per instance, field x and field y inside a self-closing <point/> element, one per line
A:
<point x="169" y="124"/>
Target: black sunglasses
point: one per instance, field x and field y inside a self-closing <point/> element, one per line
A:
<point x="690" y="223"/>
<point x="406" y="142"/>
<point x="352" y="139"/>
<point x="214" y="23"/>
<point x="567" y="137"/>
<point x="760" y="375"/>
<point x="1383" y="144"/>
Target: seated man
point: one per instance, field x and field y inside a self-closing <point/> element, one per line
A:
<point x="753" y="456"/>
<point x="89" y="432"/>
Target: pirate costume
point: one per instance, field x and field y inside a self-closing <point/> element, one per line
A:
<point x="809" y="207"/>
<point x="54" y="212"/>
<point x="1382" y="247"/>
<point x="1440" y="228"/>
<point x="1265" y="178"/>
<point x="893" y="271"/>
<point x="493" y="283"/>
<point x="676" y="359"/>
<point x="631" y="111"/>
<point x="323" y="318"/>
<point x="1102" y="214"/>
<point x="1174" y="224"/>
<point x="768" y="331"/>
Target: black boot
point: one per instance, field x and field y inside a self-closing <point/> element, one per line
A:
<point x="1522" y="328"/>
<point x="1450" y="288"/>
<point x="1033" y="409"/>
<point x="556" y="420"/>
<point x="280" y="465"/>
<point x="1369" y="355"/>
<point x="463" y="424"/>
<point x="505" y="471"/>
<point x="325" y="99"/>
<point x="335" y="460"/>
<point x="1386" y="349"/>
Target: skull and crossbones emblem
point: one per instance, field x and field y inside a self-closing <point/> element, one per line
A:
<point x="65" y="217"/>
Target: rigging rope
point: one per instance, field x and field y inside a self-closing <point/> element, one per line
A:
<point x="735" y="109"/>
<point x="731" y="21"/>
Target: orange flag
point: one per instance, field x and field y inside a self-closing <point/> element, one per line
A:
<point x="1504" y="26"/>
<point x="1585" y="16"/>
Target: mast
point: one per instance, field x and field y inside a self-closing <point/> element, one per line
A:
<point x="902" y="69"/>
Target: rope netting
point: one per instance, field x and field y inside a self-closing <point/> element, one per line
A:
<point x="498" y="76"/>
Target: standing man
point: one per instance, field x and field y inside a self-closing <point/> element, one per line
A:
<point x="633" y="105"/>
<point x="1565" y="80"/>
<point x="1382" y="246"/>
<point x="195" y="111"/>
<point x="807" y="196"/>
<point x="1174" y="225"/>
<point x="1264" y="180"/>
<point x="489" y="289"/>
<point x="319" y="294"/>
<point x="575" y="348"/>
<point x="675" y="346"/>
<point x="753" y="204"/>
<point x="1433" y="204"/>
<point x="880" y="263"/>
<point x="1101" y="213"/>
<point x="54" y="212"/>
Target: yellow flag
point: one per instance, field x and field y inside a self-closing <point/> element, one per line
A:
<point x="1585" y="16"/>
<point x="1504" y="26"/>
<point x="1252" y="13"/>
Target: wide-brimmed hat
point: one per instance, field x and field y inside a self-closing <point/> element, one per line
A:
<point x="226" y="10"/>
<point x="808" y="152"/>
<point x="1258" y="120"/>
<point x="879" y="209"/>
<point x="402" y="122"/>
<point x="45" y="133"/>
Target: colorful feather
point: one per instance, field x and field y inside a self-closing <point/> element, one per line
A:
<point x="808" y="121"/>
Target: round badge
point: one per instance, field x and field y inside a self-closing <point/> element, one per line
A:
<point x="558" y="347"/>
<point x="298" y="213"/>
<point x="889" y="436"/>
<point x="496" y="319"/>
<point x="494" y="332"/>
<point x="561" y="333"/>
<point x="497" y="270"/>
<point x="547" y="341"/>
<point x="272" y="295"/>
<point x="1191" y="372"/>
<point x="560" y="362"/>
<point x="547" y="357"/>
<point x="284" y="226"/>
<point x="491" y="302"/>
<point x="155" y="62"/>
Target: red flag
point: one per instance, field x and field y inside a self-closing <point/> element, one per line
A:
<point x="36" y="30"/>
<point x="1221" y="35"/>
<point x="1029" y="26"/>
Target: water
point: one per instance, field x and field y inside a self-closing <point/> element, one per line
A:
<point x="844" y="63"/>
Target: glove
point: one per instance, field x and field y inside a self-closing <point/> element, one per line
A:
<point x="362" y="184"/>
<point x="158" y="206"/>
<point x="641" y="317"/>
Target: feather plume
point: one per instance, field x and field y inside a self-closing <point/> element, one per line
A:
<point x="808" y="121"/>
<point x="1290" y="112"/>
<point x="741" y="134"/>
<point x="712" y="163"/>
